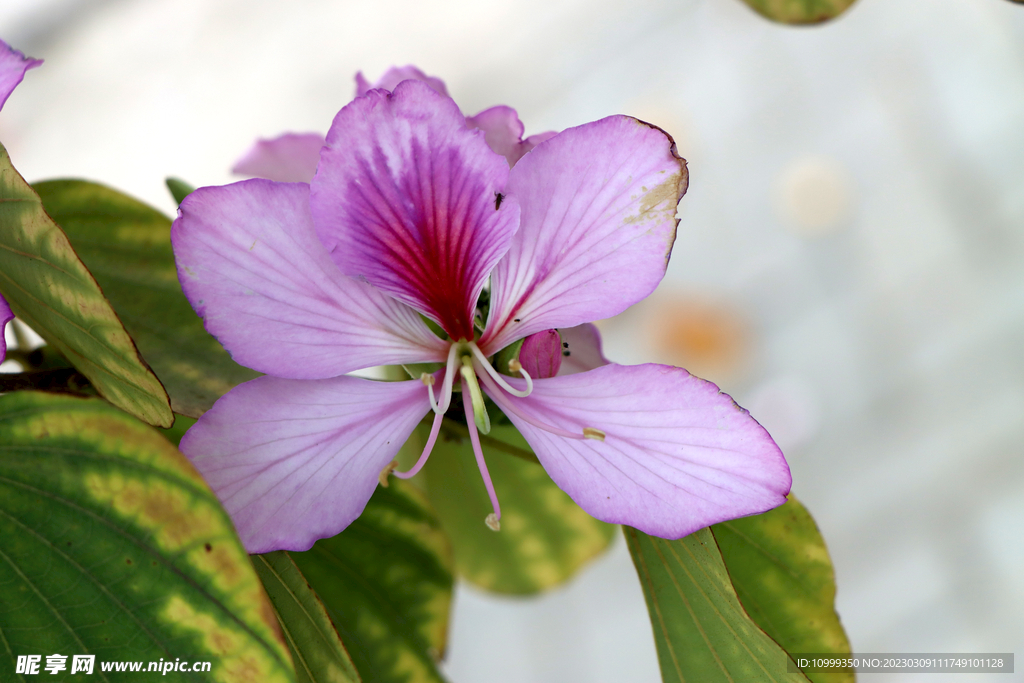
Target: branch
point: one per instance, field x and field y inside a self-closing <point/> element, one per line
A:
<point x="65" y="380"/>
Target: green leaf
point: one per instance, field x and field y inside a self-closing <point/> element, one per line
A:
<point x="387" y="584"/>
<point x="179" y="189"/>
<point x="50" y="289"/>
<point x="316" y="649"/>
<point x="127" y="246"/>
<point x="111" y="544"/>
<point x="700" y="629"/>
<point x="545" y="537"/>
<point x="782" y="573"/>
<point x="799" y="11"/>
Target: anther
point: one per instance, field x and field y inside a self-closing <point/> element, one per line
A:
<point x="428" y="380"/>
<point x="492" y="522"/>
<point x="515" y="366"/>
<point x="386" y="472"/>
<point x="591" y="433"/>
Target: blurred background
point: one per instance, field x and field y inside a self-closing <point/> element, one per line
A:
<point x="849" y="266"/>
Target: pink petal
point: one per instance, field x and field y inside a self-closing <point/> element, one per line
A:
<point x="395" y="75"/>
<point x="294" y="461"/>
<point x="406" y="198"/>
<point x="502" y="129"/>
<point x="289" y="158"/>
<point x="534" y="140"/>
<point x="5" y="317"/>
<point x="583" y="344"/>
<point x="678" y="455"/>
<point x="251" y="265"/>
<point x="598" y="221"/>
<point x="504" y="132"/>
<point x="13" y="65"/>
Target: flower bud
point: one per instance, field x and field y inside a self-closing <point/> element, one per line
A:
<point x="541" y="354"/>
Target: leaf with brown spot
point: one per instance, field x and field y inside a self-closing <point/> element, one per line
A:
<point x="111" y="544"/>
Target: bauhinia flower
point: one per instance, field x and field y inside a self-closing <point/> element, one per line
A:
<point x="410" y="216"/>
<point x="13" y="65"/>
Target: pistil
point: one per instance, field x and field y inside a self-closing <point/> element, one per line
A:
<point x="472" y="387"/>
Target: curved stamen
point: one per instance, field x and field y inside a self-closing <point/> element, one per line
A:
<point x="510" y="407"/>
<point x="498" y="378"/>
<point x="446" y="384"/>
<point x="434" y="430"/>
<point x="493" y="520"/>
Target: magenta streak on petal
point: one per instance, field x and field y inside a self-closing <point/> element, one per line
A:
<point x="13" y="65"/>
<point x="435" y="429"/>
<point x="6" y="316"/>
<point x="474" y="439"/>
<point x="435" y="264"/>
<point x="288" y="158"/>
<point x="404" y="198"/>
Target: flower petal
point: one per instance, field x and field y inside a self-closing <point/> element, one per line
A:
<point x="583" y="344"/>
<point x="6" y="316"/>
<point x="504" y="132"/>
<point x="288" y="158"/>
<point x="598" y="221"/>
<point x="405" y="198"/>
<point x="677" y="455"/>
<point x="294" y="461"/>
<point x="250" y="263"/>
<point x="13" y="65"/>
<point x="395" y="75"/>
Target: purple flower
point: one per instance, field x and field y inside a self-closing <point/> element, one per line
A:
<point x="13" y="65"/>
<point x="409" y="215"/>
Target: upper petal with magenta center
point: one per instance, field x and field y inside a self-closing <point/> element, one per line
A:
<point x="405" y="198"/>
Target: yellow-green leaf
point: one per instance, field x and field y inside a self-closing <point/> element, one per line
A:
<point x="799" y="11"/>
<point x="127" y="246"/>
<point x="545" y="538"/>
<point x="701" y="631"/>
<point x="783" y="575"/>
<point x="50" y="289"/>
<point x="112" y="545"/>
<point x="317" y="651"/>
<point x="386" y="581"/>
